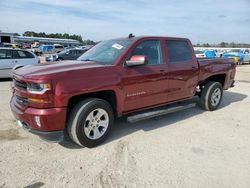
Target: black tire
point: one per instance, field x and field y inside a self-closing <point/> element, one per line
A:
<point x="77" y="123"/>
<point x="60" y="59"/>
<point x="206" y="101"/>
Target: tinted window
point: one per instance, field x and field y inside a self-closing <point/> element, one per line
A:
<point x="178" y="51"/>
<point x="73" y="51"/>
<point x="5" y="54"/>
<point x="81" y="51"/>
<point x="19" y="54"/>
<point x="151" y="49"/>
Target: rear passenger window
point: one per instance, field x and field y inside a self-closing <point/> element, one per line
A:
<point x="19" y="54"/>
<point x="178" y="51"/>
<point x="5" y="54"/>
<point x="151" y="49"/>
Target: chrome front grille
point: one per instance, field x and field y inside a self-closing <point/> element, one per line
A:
<point x="21" y="100"/>
<point x="19" y="84"/>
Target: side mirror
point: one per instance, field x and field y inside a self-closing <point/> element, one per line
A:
<point x="137" y="60"/>
<point x="67" y="53"/>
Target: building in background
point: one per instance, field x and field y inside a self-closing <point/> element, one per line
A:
<point x="12" y="38"/>
<point x="6" y="37"/>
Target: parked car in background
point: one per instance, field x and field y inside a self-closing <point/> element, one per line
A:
<point x="9" y="45"/>
<point x="199" y="54"/>
<point x="236" y="54"/>
<point x="50" y="49"/>
<point x="26" y="45"/>
<point x="58" y="48"/>
<point x="69" y="54"/>
<point x="14" y="59"/>
<point x="210" y="54"/>
<point x="205" y="54"/>
<point x="36" y="50"/>
<point x="247" y="58"/>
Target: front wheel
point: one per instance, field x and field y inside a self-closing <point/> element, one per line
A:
<point x="211" y="96"/>
<point x="90" y="122"/>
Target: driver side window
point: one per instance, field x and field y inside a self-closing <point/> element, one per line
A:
<point x="151" y="49"/>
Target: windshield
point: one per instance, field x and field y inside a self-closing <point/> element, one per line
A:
<point x="106" y="52"/>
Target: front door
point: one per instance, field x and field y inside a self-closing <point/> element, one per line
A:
<point x="145" y="85"/>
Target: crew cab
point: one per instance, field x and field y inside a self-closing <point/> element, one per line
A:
<point x="115" y="78"/>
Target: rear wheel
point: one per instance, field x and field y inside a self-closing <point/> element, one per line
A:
<point x="90" y="122"/>
<point x="211" y="96"/>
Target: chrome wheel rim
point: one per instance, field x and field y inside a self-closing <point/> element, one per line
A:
<point x="96" y="124"/>
<point x="215" y="97"/>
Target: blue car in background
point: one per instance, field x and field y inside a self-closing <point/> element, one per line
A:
<point x="235" y="54"/>
<point x="210" y="54"/>
<point x="49" y="48"/>
<point x="46" y="48"/>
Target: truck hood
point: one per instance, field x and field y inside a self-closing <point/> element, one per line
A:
<point x="40" y="70"/>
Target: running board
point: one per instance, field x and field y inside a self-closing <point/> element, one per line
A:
<point x="159" y="112"/>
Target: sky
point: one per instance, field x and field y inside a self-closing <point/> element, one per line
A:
<point x="200" y="20"/>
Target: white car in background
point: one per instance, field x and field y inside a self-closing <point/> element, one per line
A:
<point x="199" y="54"/>
<point x="247" y="58"/>
<point x="14" y="59"/>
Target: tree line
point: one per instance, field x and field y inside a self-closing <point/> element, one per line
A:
<point x="224" y="45"/>
<point x="91" y="42"/>
<point x="58" y="35"/>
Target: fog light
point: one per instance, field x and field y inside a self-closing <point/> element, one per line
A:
<point x="37" y="121"/>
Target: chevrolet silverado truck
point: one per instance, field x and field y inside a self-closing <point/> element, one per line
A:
<point x="136" y="77"/>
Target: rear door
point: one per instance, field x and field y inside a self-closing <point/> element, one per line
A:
<point x="183" y="69"/>
<point x="6" y="63"/>
<point x="145" y="85"/>
<point x="22" y="58"/>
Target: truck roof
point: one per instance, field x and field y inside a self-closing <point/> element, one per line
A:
<point x="149" y="37"/>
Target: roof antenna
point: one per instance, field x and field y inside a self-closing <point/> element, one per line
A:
<point x="131" y="35"/>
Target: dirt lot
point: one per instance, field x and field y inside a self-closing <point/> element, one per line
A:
<point x="191" y="148"/>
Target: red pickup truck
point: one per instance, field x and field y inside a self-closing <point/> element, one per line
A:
<point x="136" y="76"/>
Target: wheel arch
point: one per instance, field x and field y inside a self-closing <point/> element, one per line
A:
<point x="17" y="67"/>
<point x="107" y="95"/>
<point x="221" y="78"/>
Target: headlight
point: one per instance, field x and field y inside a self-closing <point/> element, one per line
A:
<point x="38" y="88"/>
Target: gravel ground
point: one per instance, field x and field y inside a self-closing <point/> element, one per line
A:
<point x="190" y="148"/>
